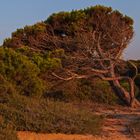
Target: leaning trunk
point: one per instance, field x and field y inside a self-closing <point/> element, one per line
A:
<point x="128" y="98"/>
<point x="123" y="96"/>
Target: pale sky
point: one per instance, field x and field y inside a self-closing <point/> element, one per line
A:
<point x="18" y="13"/>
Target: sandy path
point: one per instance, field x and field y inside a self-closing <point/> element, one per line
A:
<point x="117" y="123"/>
<point x="34" y="136"/>
<point x="115" y="127"/>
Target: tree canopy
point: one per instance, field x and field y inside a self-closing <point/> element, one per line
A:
<point x="115" y="29"/>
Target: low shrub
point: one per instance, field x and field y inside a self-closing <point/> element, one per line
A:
<point x="83" y="90"/>
<point x="49" y="116"/>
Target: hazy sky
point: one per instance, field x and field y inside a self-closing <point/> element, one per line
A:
<point x="18" y="13"/>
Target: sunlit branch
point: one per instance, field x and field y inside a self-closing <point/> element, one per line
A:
<point x="135" y="67"/>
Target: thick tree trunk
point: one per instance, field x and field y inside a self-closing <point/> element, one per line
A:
<point x="127" y="97"/>
<point x="123" y="96"/>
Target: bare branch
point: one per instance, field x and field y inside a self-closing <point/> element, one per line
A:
<point x="101" y="54"/>
<point x="96" y="70"/>
<point x="114" y="78"/>
<point x="113" y="39"/>
<point x="135" y="67"/>
<point x="75" y="76"/>
<point x="120" y="50"/>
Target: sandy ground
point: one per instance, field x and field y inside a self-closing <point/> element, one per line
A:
<point x="115" y="127"/>
<point x="34" y="136"/>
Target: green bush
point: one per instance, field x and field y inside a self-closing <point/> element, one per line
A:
<point x="44" y="61"/>
<point x="18" y="70"/>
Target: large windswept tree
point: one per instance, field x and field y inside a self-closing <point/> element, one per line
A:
<point x="93" y="39"/>
<point x="97" y="37"/>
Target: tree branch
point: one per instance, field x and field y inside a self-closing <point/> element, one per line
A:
<point x="135" y="67"/>
<point x="75" y="76"/>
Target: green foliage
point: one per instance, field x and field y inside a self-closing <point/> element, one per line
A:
<point x="46" y="63"/>
<point x="37" y="28"/>
<point x="62" y="15"/>
<point x="18" y="70"/>
<point x="7" y="42"/>
<point x="30" y="30"/>
<point x="87" y="19"/>
<point x="25" y="36"/>
<point x="73" y="16"/>
<point x="18" y="33"/>
<point x="97" y="9"/>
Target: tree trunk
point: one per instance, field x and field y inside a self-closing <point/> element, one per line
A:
<point x="127" y="98"/>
